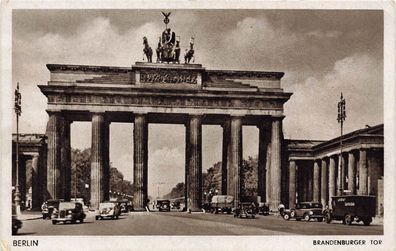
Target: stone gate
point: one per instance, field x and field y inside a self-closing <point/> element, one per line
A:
<point x="146" y="93"/>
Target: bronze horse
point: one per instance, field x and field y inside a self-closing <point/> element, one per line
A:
<point x="147" y="50"/>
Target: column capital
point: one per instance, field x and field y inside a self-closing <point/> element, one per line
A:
<point x="277" y="118"/>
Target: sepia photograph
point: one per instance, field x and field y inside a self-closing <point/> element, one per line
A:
<point x="196" y="124"/>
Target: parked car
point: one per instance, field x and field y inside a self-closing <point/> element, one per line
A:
<point x="81" y="200"/>
<point x="351" y="208"/>
<point x="221" y="204"/>
<point x="306" y="211"/>
<point x="69" y="212"/>
<point x="16" y="224"/>
<point x="175" y="204"/>
<point x="263" y="208"/>
<point x="49" y="206"/>
<point x="109" y="209"/>
<point x="245" y="210"/>
<point x="125" y="205"/>
<point x="163" y="205"/>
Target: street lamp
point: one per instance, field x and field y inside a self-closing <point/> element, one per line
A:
<point x="341" y="118"/>
<point x="158" y="185"/>
<point x="18" y="111"/>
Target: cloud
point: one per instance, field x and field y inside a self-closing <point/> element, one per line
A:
<point x="327" y="34"/>
<point x="312" y="110"/>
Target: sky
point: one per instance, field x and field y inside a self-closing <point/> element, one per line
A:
<point x="321" y="52"/>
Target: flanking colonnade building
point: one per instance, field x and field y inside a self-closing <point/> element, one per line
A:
<point x="289" y="171"/>
<point x="318" y="170"/>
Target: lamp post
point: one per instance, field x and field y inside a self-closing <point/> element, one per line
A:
<point x="18" y="111"/>
<point x="341" y="118"/>
<point x="158" y="186"/>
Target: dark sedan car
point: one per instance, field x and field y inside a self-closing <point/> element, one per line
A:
<point x="16" y="224"/>
<point x="306" y="211"/>
<point x="49" y="207"/>
<point x="69" y="212"/>
<point x="163" y="205"/>
<point x="245" y="210"/>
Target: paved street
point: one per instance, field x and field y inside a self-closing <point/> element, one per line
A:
<point x="175" y="223"/>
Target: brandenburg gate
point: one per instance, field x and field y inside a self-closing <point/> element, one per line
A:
<point x="168" y="93"/>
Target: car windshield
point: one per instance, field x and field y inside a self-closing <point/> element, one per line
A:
<point x="67" y="205"/>
<point x="106" y="205"/>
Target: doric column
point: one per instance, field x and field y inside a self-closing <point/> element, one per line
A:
<point x="225" y="150"/>
<point x="235" y="158"/>
<point x="324" y="183"/>
<point x="54" y="184"/>
<point x="332" y="178"/>
<point x="351" y="173"/>
<point x="66" y="160"/>
<point x="264" y="138"/>
<point x="316" y="182"/>
<point x="341" y="175"/>
<point x="363" y="189"/>
<point x="194" y="165"/>
<point x="310" y="183"/>
<point x="106" y="161"/>
<point x="140" y="157"/>
<point x="275" y="164"/>
<point x="35" y="182"/>
<point x="292" y="184"/>
<point x="97" y="190"/>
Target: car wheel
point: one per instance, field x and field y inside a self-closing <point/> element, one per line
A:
<point x="366" y="222"/>
<point x="307" y="217"/>
<point x="53" y="222"/>
<point x="44" y="217"/>
<point x="286" y="217"/>
<point x="117" y="217"/>
<point x="348" y="219"/>
<point x="82" y="220"/>
<point x="320" y="219"/>
<point x="96" y="217"/>
<point x="292" y="214"/>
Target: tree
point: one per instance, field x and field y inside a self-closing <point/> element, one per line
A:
<point x="249" y="177"/>
<point x="176" y="192"/>
<point x="81" y="173"/>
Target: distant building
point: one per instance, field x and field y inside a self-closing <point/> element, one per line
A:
<point x="32" y="168"/>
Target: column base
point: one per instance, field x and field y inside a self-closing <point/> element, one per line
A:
<point x="273" y="206"/>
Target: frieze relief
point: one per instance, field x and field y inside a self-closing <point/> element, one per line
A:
<point x="168" y="76"/>
<point x="89" y="99"/>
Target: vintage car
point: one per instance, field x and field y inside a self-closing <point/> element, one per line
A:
<point x="81" y="200"/>
<point x="48" y="207"/>
<point x="69" y="212"/>
<point x="263" y="208"/>
<point x="163" y="205"/>
<point x="16" y="224"/>
<point x="221" y="204"/>
<point x="125" y="205"/>
<point x="175" y="204"/>
<point x="306" y="211"/>
<point x="245" y="210"/>
<point x="110" y="209"/>
<point x="351" y="208"/>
